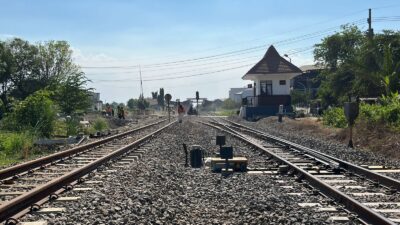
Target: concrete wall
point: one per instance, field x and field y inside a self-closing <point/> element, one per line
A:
<point x="277" y="89"/>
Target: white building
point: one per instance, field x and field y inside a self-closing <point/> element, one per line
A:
<point x="272" y="77"/>
<point x="97" y="104"/>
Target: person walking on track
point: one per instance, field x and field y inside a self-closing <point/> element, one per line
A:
<point x="181" y="112"/>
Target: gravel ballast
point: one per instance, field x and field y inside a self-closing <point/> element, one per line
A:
<point x="158" y="189"/>
<point x="336" y="149"/>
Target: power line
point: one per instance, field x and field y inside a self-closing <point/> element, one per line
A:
<point x="178" y="77"/>
<point x="232" y="53"/>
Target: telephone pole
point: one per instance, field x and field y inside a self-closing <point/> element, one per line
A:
<point x="141" y="82"/>
<point x="370" y="30"/>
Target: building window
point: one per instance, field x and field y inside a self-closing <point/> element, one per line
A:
<point x="282" y="82"/>
<point x="266" y="87"/>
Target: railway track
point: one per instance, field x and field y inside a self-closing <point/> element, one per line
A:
<point x="372" y="196"/>
<point x="26" y="186"/>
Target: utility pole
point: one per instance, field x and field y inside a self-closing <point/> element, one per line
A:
<point x="370" y="30"/>
<point x="141" y="82"/>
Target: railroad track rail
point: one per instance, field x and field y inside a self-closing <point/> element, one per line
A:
<point x="26" y="186"/>
<point x="372" y="196"/>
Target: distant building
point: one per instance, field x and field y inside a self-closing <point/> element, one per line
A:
<point x="271" y="77"/>
<point x="237" y="94"/>
<point x="96" y="103"/>
<point x="307" y="80"/>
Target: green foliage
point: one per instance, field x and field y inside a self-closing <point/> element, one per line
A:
<point x="100" y="124"/>
<point x="71" y="95"/>
<point x="132" y="104"/>
<point x="142" y="104"/>
<point x="226" y="112"/>
<point x="386" y="113"/>
<point x="230" y="104"/>
<point x="300" y="97"/>
<point x="36" y="112"/>
<point x="16" y="145"/>
<point x="154" y="95"/>
<point x="160" y="98"/>
<point x="334" y="117"/>
<point x="358" y="66"/>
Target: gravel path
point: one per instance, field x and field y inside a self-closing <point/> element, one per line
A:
<point x="158" y="189"/>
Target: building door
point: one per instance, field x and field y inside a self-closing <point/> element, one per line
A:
<point x="266" y="87"/>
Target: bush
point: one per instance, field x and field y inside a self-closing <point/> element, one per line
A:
<point x="388" y="115"/>
<point x="36" y="112"/>
<point x="100" y="124"/>
<point x="334" y="117"/>
<point x="12" y="144"/>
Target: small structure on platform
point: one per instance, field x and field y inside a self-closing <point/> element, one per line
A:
<point x="271" y="77"/>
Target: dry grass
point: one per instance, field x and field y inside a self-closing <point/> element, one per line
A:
<point x="377" y="139"/>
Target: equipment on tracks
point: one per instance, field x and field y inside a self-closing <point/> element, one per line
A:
<point x="351" y="111"/>
<point x="196" y="156"/>
<point x="226" y="162"/>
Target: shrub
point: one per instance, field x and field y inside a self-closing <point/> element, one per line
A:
<point x="36" y="112"/>
<point x="12" y="144"/>
<point x="334" y="117"/>
<point x="100" y="124"/>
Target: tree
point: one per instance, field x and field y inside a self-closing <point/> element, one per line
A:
<point x="390" y="73"/>
<point x="338" y="48"/>
<point x="132" y="104"/>
<point x="142" y="103"/>
<point x="160" y="98"/>
<point x="54" y="59"/>
<point x="114" y="105"/>
<point x="6" y="69"/>
<point x="71" y="94"/>
<point x="154" y="95"/>
<point x="24" y="68"/>
<point x="357" y="66"/>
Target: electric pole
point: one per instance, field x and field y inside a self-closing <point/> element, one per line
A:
<point x="370" y="30"/>
<point x="141" y="82"/>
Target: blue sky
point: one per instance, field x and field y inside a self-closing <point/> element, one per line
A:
<point x="123" y="34"/>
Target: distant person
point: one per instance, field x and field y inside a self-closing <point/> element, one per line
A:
<point x="112" y="112"/>
<point x="181" y="112"/>
<point x="122" y="113"/>
<point x="119" y="112"/>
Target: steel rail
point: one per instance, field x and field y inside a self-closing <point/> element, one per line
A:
<point x="380" y="178"/>
<point x="26" y="200"/>
<point x="24" y="167"/>
<point x="351" y="204"/>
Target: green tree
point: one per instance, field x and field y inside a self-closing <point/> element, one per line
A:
<point x="142" y="103"/>
<point x="160" y="98"/>
<point x="154" y="95"/>
<point x="6" y="69"/>
<point x="71" y="94"/>
<point x="357" y="66"/>
<point x="132" y="103"/>
<point x="24" y="68"/>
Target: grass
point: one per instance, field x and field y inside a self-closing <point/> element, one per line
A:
<point x="226" y="112"/>
<point x="15" y="146"/>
